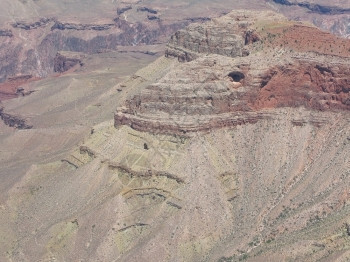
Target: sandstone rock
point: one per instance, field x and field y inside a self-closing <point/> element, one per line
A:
<point x="214" y="38"/>
<point x="220" y="85"/>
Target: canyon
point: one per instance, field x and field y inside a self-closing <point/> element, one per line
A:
<point x="190" y="133"/>
<point x="31" y="35"/>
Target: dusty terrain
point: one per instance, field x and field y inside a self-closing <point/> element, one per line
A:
<point x="234" y="145"/>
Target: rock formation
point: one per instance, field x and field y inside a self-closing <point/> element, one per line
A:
<point x="233" y="68"/>
<point x="126" y="23"/>
<point x="34" y="25"/>
<point x="13" y="121"/>
<point x="317" y="8"/>
<point x="222" y="150"/>
<point x="66" y="60"/>
<point x="80" y="27"/>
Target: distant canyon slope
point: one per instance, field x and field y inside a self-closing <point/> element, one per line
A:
<point x="333" y="16"/>
<point x="33" y="34"/>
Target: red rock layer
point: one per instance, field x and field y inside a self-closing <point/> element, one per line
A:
<point x="12" y="88"/>
<point x="222" y="85"/>
<point x="312" y="85"/>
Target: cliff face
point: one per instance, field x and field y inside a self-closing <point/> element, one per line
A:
<point x="318" y="86"/>
<point x="49" y="36"/>
<point x="65" y="61"/>
<point x="29" y="43"/>
<point x="212" y="39"/>
<point x="39" y="56"/>
<point x="238" y="66"/>
<point x="322" y="8"/>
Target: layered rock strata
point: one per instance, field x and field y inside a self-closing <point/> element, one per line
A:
<point x="232" y="70"/>
<point x="34" y="25"/>
<point x="79" y="27"/>
<point x="316" y="8"/>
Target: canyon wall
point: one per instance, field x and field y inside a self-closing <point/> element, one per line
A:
<point x="234" y="69"/>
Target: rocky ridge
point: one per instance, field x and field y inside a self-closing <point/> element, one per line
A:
<point x="317" y="8"/>
<point x="126" y="23"/>
<point x="233" y="69"/>
<point x="34" y="25"/>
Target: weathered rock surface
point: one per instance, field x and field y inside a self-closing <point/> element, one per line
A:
<point x="49" y="36"/>
<point x="79" y="27"/>
<point x="214" y="39"/>
<point x="6" y="32"/>
<point x="66" y="60"/>
<point x="317" y="8"/>
<point x="240" y="65"/>
<point x="269" y="181"/>
<point x="143" y="23"/>
<point x="332" y="16"/>
<point x="270" y="191"/>
<point x="13" y="121"/>
<point x="29" y="26"/>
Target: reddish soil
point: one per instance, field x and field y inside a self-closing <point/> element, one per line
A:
<point x="303" y="38"/>
<point x="305" y="84"/>
<point x="12" y="88"/>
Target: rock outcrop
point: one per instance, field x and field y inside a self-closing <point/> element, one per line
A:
<point x="80" y="27"/>
<point x="148" y="10"/>
<point x="317" y="8"/>
<point x="129" y="23"/>
<point x="6" y="32"/>
<point x="13" y="87"/>
<point x="214" y="38"/>
<point x="66" y="60"/>
<point x="14" y="121"/>
<point x="34" y="25"/>
<point x="236" y="68"/>
<point x="48" y="36"/>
